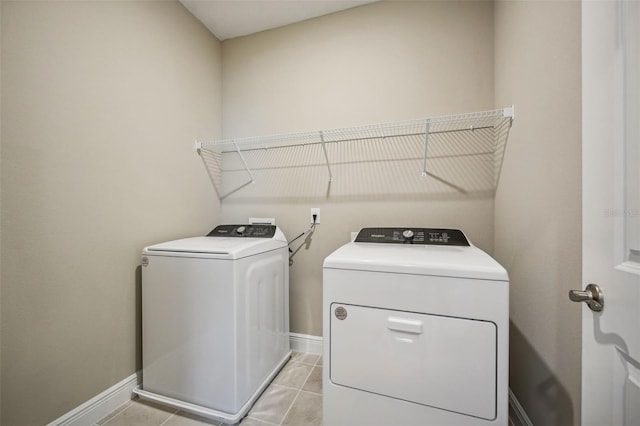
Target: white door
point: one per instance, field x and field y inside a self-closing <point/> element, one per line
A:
<point x="611" y="211"/>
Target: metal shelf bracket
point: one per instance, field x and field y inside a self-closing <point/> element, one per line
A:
<point x="244" y="162"/>
<point x="509" y="112"/>
<point x="326" y="157"/>
<point x="426" y="143"/>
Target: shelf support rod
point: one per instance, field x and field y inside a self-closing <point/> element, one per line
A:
<point x="244" y="162"/>
<point x="326" y="157"/>
<point x="426" y="142"/>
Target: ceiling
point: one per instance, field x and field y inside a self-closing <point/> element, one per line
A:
<point x="234" y="18"/>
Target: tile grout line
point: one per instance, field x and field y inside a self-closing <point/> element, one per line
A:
<point x="290" y="406"/>
<point x="291" y="361"/>
<point x="295" y="389"/>
<point x="253" y="418"/>
<point x="170" y="417"/>
<point x="248" y="416"/>
<point x="298" y="394"/>
<point x="128" y="405"/>
<point x="107" y="422"/>
<point x="283" y="386"/>
<point x="311" y="392"/>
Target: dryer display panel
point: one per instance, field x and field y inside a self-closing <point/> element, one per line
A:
<point x="431" y="236"/>
<point x="438" y="361"/>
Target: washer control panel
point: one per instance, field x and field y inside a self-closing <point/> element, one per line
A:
<point x="243" y="231"/>
<point x="426" y="236"/>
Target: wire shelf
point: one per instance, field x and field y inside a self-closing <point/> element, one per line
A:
<point x="452" y="136"/>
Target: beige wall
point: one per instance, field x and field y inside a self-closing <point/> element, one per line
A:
<point x="101" y="102"/>
<point x="538" y="202"/>
<point x="376" y="63"/>
<point x="99" y="109"/>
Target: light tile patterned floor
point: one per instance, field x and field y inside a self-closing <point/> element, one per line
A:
<point x="294" y="398"/>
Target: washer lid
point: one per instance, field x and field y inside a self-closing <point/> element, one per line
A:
<point x="218" y="247"/>
<point x="446" y="261"/>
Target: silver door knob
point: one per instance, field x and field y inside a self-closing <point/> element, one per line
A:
<point x="592" y="296"/>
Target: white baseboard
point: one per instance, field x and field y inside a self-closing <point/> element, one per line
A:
<point x="100" y="405"/>
<point x="305" y="343"/>
<point x="521" y="415"/>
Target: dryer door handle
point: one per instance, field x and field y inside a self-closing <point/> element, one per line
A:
<point x="406" y="325"/>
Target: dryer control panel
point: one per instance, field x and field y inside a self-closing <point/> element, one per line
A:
<point x="243" y="231"/>
<point x="426" y="236"/>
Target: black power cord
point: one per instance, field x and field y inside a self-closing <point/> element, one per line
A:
<point x="309" y="232"/>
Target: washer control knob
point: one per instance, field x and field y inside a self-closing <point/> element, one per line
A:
<point x="240" y="230"/>
<point x="407" y="234"/>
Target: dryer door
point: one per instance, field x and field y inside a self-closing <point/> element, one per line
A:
<point x="438" y="361"/>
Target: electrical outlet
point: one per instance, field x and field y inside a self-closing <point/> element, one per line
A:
<point x="315" y="211"/>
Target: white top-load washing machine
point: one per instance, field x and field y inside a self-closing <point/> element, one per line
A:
<point x="416" y="326"/>
<point x="215" y="319"/>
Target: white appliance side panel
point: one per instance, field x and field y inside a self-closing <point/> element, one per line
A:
<point x="188" y="331"/>
<point x="263" y="317"/>
<point x="442" y="362"/>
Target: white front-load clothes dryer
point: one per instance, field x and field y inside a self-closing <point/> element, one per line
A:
<point x="215" y="319"/>
<point x="416" y="326"/>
